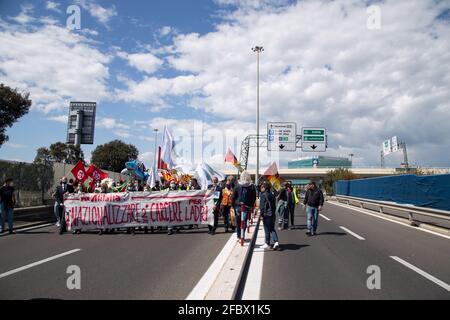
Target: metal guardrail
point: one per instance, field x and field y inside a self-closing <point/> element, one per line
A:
<point x="428" y="212"/>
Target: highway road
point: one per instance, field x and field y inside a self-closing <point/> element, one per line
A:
<point x="117" y="266"/>
<point x="413" y="264"/>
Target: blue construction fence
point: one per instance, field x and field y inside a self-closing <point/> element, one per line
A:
<point x="424" y="191"/>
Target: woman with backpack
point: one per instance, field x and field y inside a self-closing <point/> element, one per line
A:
<point x="267" y="209"/>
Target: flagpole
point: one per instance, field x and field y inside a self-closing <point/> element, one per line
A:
<point x="156" y="139"/>
<point x="258" y="50"/>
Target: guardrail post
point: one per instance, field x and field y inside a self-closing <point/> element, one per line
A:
<point x="381" y="209"/>
<point x="361" y="205"/>
<point x="411" y="220"/>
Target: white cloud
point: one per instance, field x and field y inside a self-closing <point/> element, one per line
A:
<point x="54" y="64"/>
<point x="102" y="14"/>
<point x="53" y="6"/>
<point x="165" y="31"/>
<point x="321" y="67"/>
<point x="111" y="123"/>
<point x="23" y="17"/>
<point x="14" y="145"/>
<point x="60" y="118"/>
<point x="145" y="62"/>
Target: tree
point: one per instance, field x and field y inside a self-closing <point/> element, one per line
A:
<point x="113" y="155"/>
<point x="337" y="174"/>
<point x="13" y="105"/>
<point x="59" y="152"/>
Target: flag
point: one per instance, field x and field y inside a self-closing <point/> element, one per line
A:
<point x="168" y="143"/>
<point x="206" y="173"/>
<point x="231" y="158"/>
<point x="95" y="173"/>
<point x="154" y="176"/>
<point x="273" y="176"/>
<point x="78" y="172"/>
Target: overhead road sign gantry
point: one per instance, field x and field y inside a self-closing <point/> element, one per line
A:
<point x="281" y="136"/>
<point x="314" y="139"/>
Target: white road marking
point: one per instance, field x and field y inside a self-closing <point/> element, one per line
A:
<point x="357" y="236"/>
<point x="387" y="219"/>
<point x="204" y="284"/>
<point x="31" y="265"/>
<point x="252" y="288"/>
<point x="423" y="273"/>
<point x="326" y="218"/>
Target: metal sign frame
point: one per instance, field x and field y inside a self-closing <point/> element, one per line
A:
<point x="284" y="146"/>
<point x="314" y="144"/>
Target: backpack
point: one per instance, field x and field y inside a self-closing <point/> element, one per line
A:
<point x="245" y="195"/>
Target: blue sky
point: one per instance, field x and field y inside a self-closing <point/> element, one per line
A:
<point x="188" y="65"/>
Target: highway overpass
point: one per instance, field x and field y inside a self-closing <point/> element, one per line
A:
<point x="317" y="173"/>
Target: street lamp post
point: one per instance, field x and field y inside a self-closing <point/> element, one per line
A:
<point x="258" y="50"/>
<point x="156" y="138"/>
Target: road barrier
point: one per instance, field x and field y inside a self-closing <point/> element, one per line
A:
<point x="410" y="210"/>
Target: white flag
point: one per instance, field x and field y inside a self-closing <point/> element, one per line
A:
<point x="168" y="144"/>
<point x="205" y="173"/>
<point x="154" y="176"/>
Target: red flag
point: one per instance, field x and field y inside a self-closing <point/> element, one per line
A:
<point x="161" y="163"/>
<point x="273" y="176"/>
<point x="95" y="173"/>
<point x="78" y="172"/>
<point x="231" y="158"/>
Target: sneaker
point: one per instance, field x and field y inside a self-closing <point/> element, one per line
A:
<point x="170" y="232"/>
<point x="264" y="246"/>
<point x="276" y="245"/>
<point x="308" y="233"/>
<point x="213" y="232"/>
<point x="58" y="224"/>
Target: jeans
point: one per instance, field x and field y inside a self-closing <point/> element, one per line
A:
<point x="283" y="213"/>
<point x="57" y="210"/>
<point x="226" y="216"/>
<point x="6" y="213"/>
<point x="312" y="218"/>
<point x="239" y="217"/>
<point x="269" y="229"/>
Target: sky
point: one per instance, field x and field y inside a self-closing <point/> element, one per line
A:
<point x="364" y="70"/>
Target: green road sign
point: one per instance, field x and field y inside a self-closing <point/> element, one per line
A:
<point x="318" y="132"/>
<point x="314" y="138"/>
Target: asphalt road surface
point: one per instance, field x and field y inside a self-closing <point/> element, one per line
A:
<point x="117" y="266"/>
<point x="333" y="264"/>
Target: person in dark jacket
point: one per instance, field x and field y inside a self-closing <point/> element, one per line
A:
<point x="7" y="204"/>
<point x="243" y="199"/>
<point x="313" y="202"/>
<point x="282" y="208"/>
<point x="267" y="210"/>
<point x="59" y="193"/>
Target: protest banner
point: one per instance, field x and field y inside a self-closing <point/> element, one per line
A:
<point x="138" y="209"/>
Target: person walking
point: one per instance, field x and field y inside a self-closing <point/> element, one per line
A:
<point x="290" y="204"/>
<point x="216" y="188"/>
<point x="282" y="209"/>
<point x="8" y="202"/>
<point x="267" y="210"/>
<point x="244" y="198"/>
<point x="59" y="193"/>
<point x="225" y="203"/>
<point x="313" y="202"/>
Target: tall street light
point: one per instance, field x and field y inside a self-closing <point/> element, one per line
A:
<point x="258" y="50"/>
<point x="156" y="138"/>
